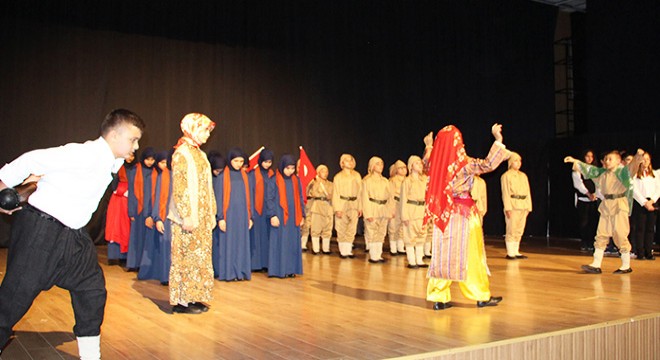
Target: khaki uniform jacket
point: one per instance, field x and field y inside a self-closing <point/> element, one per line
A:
<point x="375" y="190"/>
<point x="319" y="197"/>
<point x="515" y="186"/>
<point x="346" y="186"/>
<point x="480" y="195"/>
<point x="415" y="190"/>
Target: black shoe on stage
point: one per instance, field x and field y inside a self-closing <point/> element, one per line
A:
<point x="493" y="301"/>
<point x="591" y="270"/>
<point x="441" y="305"/>
<point x="619" y="271"/>
<point x="410" y="266"/>
<point x="327" y="252"/>
<point x="511" y="257"/>
<point x="374" y="261"/>
<point x="200" y="306"/>
<point x="521" y="256"/>
<point x="186" y="309"/>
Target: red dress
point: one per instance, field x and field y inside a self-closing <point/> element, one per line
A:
<point x="118" y="224"/>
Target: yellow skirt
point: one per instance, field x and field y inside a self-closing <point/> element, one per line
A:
<point x="476" y="285"/>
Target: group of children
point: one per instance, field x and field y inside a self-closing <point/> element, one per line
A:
<point x="264" y="224"/>
<point x="625" y="191"/>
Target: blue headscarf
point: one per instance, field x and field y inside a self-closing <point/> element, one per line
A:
<point x="148" y="152"/>
<point x="286" y="160"/>
<point x="216" y="160"/>
<point x="160" y="156"/>
<point x="265" y="155"/>
<point x="232" y="154"/>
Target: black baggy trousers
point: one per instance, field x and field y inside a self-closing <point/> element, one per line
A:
<point x="44" y="253"/>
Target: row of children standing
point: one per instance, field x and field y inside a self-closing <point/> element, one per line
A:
<point x="261" y="211"/>
<point x="258" y="219"/>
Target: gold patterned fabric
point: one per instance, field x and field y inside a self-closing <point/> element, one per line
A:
<point x="191" y="273"/>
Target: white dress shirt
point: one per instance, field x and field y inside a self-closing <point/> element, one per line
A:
<point x="74" y="178"/>
<point x="648" y="187"/>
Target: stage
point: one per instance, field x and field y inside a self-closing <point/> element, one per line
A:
<point x="351" y="309"/>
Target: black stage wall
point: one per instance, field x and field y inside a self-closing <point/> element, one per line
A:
<point x="364" y="77"/>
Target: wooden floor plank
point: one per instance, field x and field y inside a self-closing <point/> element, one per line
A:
<point x="344" y="309"/>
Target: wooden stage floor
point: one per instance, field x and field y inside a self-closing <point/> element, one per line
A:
<point x="344" y="309"/>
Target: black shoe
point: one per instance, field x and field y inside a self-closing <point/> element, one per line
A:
<point x="132" y="269"/>
<point x="374" y="261"/>
<point x="619" y="271"/>
<point x="186" y="309"/>
<point x="112" y="262"/>
<point x="410" y="266"/>
<point x="521" y="256"/>
<point x="394" y="253"/>
<point x="315" y="252"/>
<point x="441" y="305"/>
<point x="423" y="265"/>
<point x="165" y="283"/>
<point x="351" y="256"/>
<point x="427" y="256"/>
<point x="200" y="306"/>
<point x="327" y="252"/>
<point x="493" y="301"/>
<point x="510" y="257"/>
<point x="343" y="256"/>
<point x="591" y="270"/>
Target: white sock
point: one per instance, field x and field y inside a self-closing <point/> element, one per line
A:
<point x="393" y="249"/>
<point x="427" y="249"/>
<point x="326" y="245"/>
<point x="510" y="248"/>
<point x="89" y="347"/>
<point x="625" y="261"/>
<point x="517" y="245"/>
<point x="303" y="242"/>
<point x="419" y="253"/>
<point x="410" y="254"/>
<point x="598" y="258"/>
<point x="376" y="251"/>
<point x="400" y="246"/>
<point x="316" y="244"/>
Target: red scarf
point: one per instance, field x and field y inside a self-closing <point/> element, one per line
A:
<point x="121" y="174"/>
<point x="138" y="188"/>
<point x="164" y="193"/>
<point x="259" y="189"/>
<point x="296" y="197"/>
<point x="226" y="192"/>
<point x="447" y="159"/>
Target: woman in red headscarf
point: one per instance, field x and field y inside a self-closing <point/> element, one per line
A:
<point x="192" y="211"/>
<point x="458" y="244"/>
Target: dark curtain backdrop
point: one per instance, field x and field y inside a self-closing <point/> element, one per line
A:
<point x="361" y="77"/>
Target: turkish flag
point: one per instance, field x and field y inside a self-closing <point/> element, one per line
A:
<point x="306" y="171"/>
<point x="254" y="159"/>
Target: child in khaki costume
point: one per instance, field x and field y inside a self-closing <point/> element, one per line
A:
<point x="346" y="204"/>
<point x="517" y="201"/>
<point x="615" y="183"/>
<point x="413" y="191"/>
<point x="398" y="172"/>
<point x="319" y="199"/>
<point x="375" y="207"/>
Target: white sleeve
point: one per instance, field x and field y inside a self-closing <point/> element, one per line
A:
<point x="578" y="184"/>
